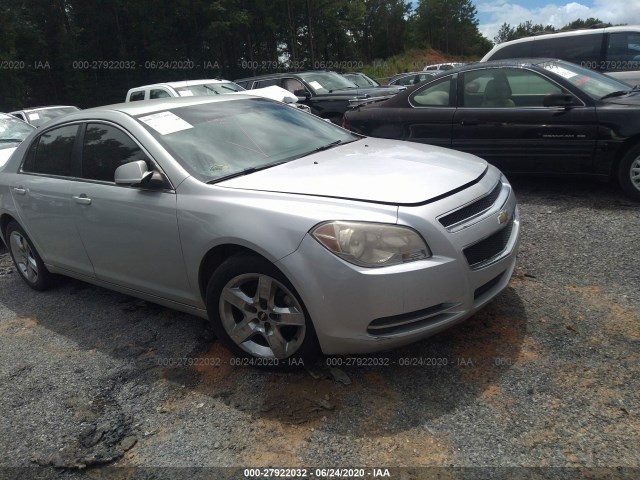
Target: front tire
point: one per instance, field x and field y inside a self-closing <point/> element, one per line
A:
<point x="255" y="311"/>
<point x="629" y="173"/>
<point x="26" y="259"/>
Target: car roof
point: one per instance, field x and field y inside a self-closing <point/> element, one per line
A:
<point x="281" y="75"/>
<point x="183" y="83"/>
<point x="509" y="62"/>
<point x="32" y="109"/>
<point x="151" y="106"/>
<point x="570" y="33"/>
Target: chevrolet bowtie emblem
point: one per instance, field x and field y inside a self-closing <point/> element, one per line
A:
<point x="503" y="217"/>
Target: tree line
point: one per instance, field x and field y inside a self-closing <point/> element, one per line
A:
<point x="90" y="53"/>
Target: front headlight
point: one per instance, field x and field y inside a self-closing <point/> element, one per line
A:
<point x="371" y="244"/>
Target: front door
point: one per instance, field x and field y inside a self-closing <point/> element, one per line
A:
<point x="501" y="117"/>
<point x="131" y="234"/>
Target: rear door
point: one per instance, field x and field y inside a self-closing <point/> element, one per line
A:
<point x="502" y="118"/>
<point x="41" y="192"/>
<point x="429" y="117"/>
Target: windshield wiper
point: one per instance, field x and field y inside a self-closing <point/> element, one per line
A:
<point x="10" y="140"/>
<point x="246" y="171"/>
<point x="619" y="93"/>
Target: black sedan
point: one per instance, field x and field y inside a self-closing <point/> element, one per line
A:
<point x="524" y="116"/>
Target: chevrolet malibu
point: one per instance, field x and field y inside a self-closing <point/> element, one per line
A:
<point x="290" y="234"/>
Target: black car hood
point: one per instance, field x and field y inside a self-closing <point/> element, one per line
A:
<point x="630" y="99"/>
<point x="369" y="92"/>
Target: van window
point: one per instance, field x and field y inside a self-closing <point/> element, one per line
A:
<point x="135" y="96"/>
<point x="623" y="52"/>
<point x="583" y="50"/>
<point x="517" y="50"/>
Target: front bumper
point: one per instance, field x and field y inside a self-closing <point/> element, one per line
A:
<point x="362" y="310"/>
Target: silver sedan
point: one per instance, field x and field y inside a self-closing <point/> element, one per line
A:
<point x="290" y="234"/>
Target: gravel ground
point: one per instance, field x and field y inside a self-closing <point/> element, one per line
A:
<point x="546" y="376"/>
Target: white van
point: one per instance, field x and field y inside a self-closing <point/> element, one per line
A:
<point x="611" y="50"/>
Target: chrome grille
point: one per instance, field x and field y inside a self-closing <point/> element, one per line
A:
<point x="472" y="209"/>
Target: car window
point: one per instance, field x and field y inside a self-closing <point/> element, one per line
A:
<point x="517" y="50"/>
<point x="408" y="80"/>
<point x="433" y="95"/>
<point x="206" y="89"/>
<point x="135" y="96"/>
<point x="505" y="87"/>
<point x="623" y="52"/>
<point x="51" y="153"/>
<point x="327" y="82"/>
<point x="292" y="84"/>
<point x="578" y="49"/>
<point x="213" y="141"/>
<point x="157" y="93"/>
<point x="104" y="149"/>
<point x="267" y="83"/>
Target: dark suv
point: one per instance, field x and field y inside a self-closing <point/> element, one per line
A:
<point x="327" y="93"/>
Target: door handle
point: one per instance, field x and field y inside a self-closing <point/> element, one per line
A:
<point x="469" y="121"/>
<point x="82" y="199"/>
<point x="19" y="190"/>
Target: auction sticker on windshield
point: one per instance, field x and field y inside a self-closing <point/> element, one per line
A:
<point x="165" y="123"/>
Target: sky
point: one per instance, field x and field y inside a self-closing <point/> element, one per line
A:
<point x="493" y="13"/>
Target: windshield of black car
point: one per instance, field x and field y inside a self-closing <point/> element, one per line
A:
<point x="208" y="89"/>
<point x="13" y="130"/>
<point x="592" y="83"/>
<point x="327" y="82"/>
<point x="218" y="139"/>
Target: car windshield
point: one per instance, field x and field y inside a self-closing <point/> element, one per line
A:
<point x="361" y="80"/>
<point x="41" y="116"/>
<point x="221" y="139"/>
<point x="208" y="89"/>
<point x="327" y="82"/>
<point x="13" y="131"/>
<point x="592" y="83"/>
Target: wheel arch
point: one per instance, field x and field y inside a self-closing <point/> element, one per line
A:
<point x="627" y="145"/>
<point x="5" y="219"/>
<point x="214" y="258"/>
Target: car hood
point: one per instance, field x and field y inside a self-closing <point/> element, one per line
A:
<point x="370" y="92"/>
<point x="631" y="99"/>
<point x="371" y="170"/>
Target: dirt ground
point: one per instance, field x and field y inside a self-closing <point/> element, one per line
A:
<point x="543" y="383"/>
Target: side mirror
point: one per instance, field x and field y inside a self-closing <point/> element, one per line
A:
<point x="558" y="100"/>
<point x="302" y="94"/>
<point x="132" y="173"/>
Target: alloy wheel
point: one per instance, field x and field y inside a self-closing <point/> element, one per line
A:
<point x="634" y="172"/>
<point x="24" y="257"/>
<point x="262" y="316"/>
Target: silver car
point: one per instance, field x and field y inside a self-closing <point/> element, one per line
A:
<point x="290" y="234"/>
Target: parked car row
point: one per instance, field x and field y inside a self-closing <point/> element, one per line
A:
<point x="328" y="94"/>
<point x="523" y="116"/>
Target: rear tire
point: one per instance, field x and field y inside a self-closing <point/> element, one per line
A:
<point x="629" y="173"/>
<point x="255" y="311"/>
<point x="26" y="259"/>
